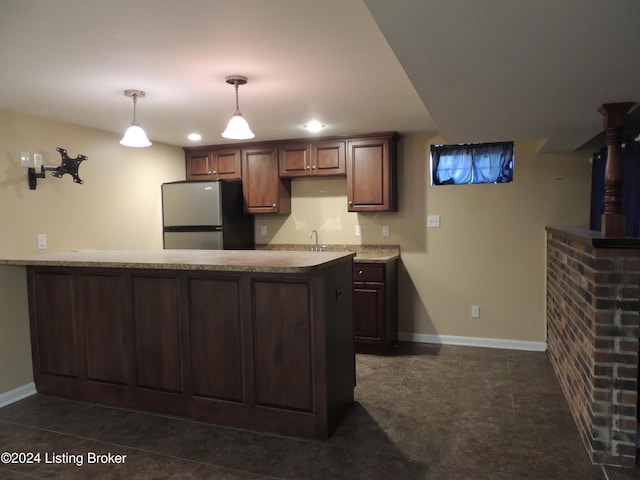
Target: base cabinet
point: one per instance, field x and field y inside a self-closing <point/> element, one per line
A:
<point x="375" y="305"/>
<point x="254" y="350"/>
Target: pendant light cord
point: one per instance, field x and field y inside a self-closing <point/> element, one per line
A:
<point x="237" y="104"/>
<point x="135" y="101"/>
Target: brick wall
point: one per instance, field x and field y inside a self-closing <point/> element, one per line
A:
<point x="593" y="319"/>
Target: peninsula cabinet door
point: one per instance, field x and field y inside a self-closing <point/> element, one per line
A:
<point x="283" y="340"/>
<point x="54" y="327"/>
<point x="105" y="328"/>
<point x="215" y="338"/>
<point x="157" y="332"/>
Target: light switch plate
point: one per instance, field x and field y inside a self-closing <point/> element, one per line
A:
<point x="385" y="230"/>
<point x="358" y="231"/>
<point x="263" y="230"/>
<point x="42" y="241"/>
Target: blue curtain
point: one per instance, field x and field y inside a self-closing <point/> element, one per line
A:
<point x="474" y="163"/>
<point x="630" y="187"/>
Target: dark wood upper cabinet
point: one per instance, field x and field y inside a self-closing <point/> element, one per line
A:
<point x="324" y="158"/>
<point x="224" y="164"/>
<point x="266" y="169"/>
<point x="264" y="191"/>
<point x="371" y="174"/>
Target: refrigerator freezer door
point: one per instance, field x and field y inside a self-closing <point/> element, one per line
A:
<point x="191" y="204"/>
<point x="194" y="240"/>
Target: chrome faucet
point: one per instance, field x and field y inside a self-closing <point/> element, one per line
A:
<point x="314" y="248"/>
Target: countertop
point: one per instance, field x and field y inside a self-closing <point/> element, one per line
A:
<point x="363" y="253"/>
<point x="595" y="238"/>
<point x="271" y="261"/>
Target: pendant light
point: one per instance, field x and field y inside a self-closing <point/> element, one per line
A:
<point x="135" y="136"/>
<point x="237" y="128"/>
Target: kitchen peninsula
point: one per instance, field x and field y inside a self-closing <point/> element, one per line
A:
<point x="253" y="339"/>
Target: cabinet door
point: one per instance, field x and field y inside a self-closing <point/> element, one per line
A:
<point x="264" y="191"/>
<point x="215" y="338"/>
<point x="371" y="175"/>
<point x="320" y="158"/>
<point x="227" y="164"/>
<point x="157" y="332"/>
<point x="199" y="166"/>
<point x="54" y="326"/>
<point x="328" y="158"/>
<point x="283" y="329"/>
<point x="368" y="306"/>
<point x="294" y="160"/>
<point x="106" y="330"/>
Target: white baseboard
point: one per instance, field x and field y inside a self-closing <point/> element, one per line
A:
<point x="474" y="341"/>
<point x="16" y="394"/>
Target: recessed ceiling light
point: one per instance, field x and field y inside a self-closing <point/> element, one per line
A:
<point x="194" y="137"/>
<point x="314" y="126"/>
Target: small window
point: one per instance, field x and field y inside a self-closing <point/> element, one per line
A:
<point x="472" y="163"/>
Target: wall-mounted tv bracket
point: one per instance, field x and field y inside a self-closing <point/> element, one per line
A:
<point x="69" y="165"/>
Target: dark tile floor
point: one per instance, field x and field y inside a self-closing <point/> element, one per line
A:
<point x="427" y="412"/>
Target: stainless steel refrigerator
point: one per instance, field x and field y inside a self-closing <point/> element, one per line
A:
<point x="206" y="215"/>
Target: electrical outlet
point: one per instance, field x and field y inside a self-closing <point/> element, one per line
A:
<point x="385" y="230"/>
<point x="475" y="311"/>
<point x="433" y="221"/>
<point x="358" y="231"/>
<point x="263" y="230"/>
<point x="42" y="241"/>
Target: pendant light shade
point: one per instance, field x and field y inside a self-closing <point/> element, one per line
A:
<point x="135" y="136"/>
<point x="237" y="128"/>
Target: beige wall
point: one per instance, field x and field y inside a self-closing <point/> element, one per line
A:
<point x="117" y="207"/>
<point x="489" y="250"/>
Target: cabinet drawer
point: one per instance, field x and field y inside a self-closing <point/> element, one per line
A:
<point x="367" y="272"/>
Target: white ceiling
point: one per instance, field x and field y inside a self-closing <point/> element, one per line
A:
<point x="474" y="70"/>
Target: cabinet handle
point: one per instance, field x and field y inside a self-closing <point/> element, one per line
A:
<point x="360" y="272"/>
<point x="274" y="205"/>
<point x="350" y="202"/>
<point x="215" y="171"/>
<point x="209" y="172"/>
<point x="313" y="168"/>
<point x="306" y="167"/>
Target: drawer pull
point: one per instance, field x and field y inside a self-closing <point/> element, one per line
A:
<point x="360" y="272"/>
